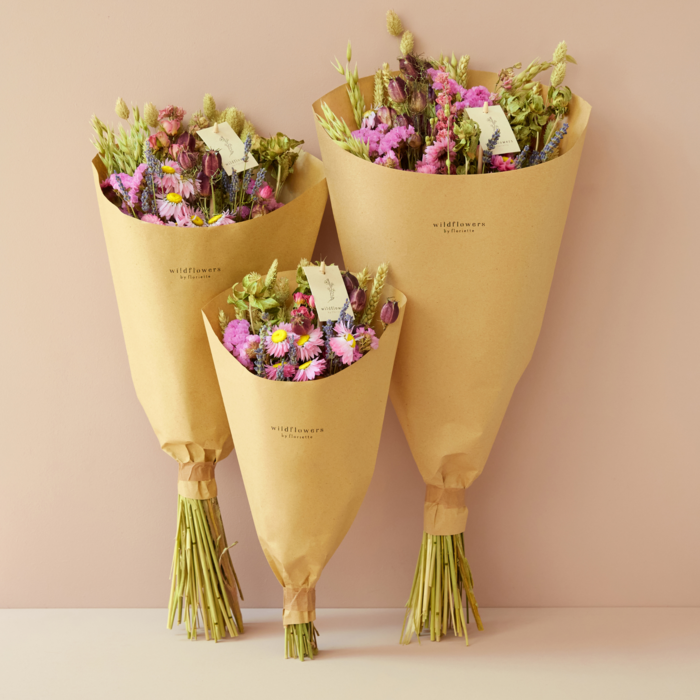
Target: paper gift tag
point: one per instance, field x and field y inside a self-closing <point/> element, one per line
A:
<point x="329" y="291"/>
<point x="488" y="122"/>
<point x="227" y="142"/>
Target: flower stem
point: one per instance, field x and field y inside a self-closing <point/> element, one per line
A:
<point x="300" y="641"/>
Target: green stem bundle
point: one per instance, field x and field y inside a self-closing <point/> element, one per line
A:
<point x="204" y="583"/>
<point x="435" y="603"/>
<point x="300" y="641"/>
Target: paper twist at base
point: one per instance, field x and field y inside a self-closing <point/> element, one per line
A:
<point x="299" y="605"/>
<point x="196" y="480"/>
<point x="444" y="512"/>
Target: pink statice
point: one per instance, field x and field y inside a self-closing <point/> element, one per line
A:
<point x="310" y="370"/>
<point x="371" y="137"/>
<point x="171" y="118"/>
<point x="502" y="163"/>
<point x="395" y="139"/>
<point x="390" y="160"/>
<point x="278" y="342"/>
<point x="236" y="333"/>
<point x="309" y="345"/>
<point x="476" y="96"/>
<point x="365" y="332"/>
<point x="288" y="372"/>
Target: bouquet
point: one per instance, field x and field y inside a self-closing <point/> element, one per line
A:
<point x="178" y="227"/>
<point x="305" y="377"/>
<point x="489" y="244"/>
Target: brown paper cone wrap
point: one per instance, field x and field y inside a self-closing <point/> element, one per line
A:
<point x="163" y="276"/>
<point x="476" y="256"/>
<point x="307" y="452"/>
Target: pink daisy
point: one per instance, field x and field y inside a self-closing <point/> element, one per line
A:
<point x="171" y="205"/>
<point x="221" y="219"/>
<point x="271" y="371"/>
<point x="170" y="176"/>
<point x="310" y="370"/>
<point x="308" y="346"/>
<point x="344" y="347"/>
<point x="277" y="343"/>
<point x="151" y="219"/>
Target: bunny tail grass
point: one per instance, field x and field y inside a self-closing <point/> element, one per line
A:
<point x="300" y="641"/>
<point x="204" y="587"/>
<point x="435" y="604"/>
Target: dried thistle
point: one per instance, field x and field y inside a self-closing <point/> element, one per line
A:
<point x="462" y="70"/>
<point x="150" y="114"/>
<point x="223" y="321"/>
<point x="209" y="108"/>
<point x="393" y="23"/>
<point x="121" y="109"/>
<point x="379" y="93"/>
<point x="363" y="278"/>
<point x="560" y="53"/>
<point x="407" y="42"/>
<point x="377" y="287"/>
<point x="234" y="118"/>
<point x="558" y="74"/>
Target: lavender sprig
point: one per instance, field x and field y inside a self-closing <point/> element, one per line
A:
<point x="521" y="157"/>
<point x="553" y="143"/>
<point x="259" y="354"/>
<point x="490" y="145"/>
<point x="279" y="377"/>
<point x="259" y="180"/>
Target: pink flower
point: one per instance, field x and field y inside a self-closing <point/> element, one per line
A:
<point x="369" y="333"/>
<point x="159" y="140"/>
<point x="225" y="217"/>
<point x="247" y="349"/>
<point x="170" y="118"/>
<point x="265" y="192"/>
<point x="242" y="212"/>
<point x="310" y="370"/>
<point x="309" y="345"/>
<point x="344" y="347"/>
<point x="395" y="138"/>
<point x="477" y="95"/>
<point x="171" y="206"/>
<point x="169" y="177"/>
<point x="277" y="343"/>
<point x="151" y="219"/>
<point x="502" y="164"/>
<point x="287" y="372"/>
<point x="236" y="333"/>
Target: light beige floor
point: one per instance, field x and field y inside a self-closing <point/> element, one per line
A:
<point x="543" y="654"/>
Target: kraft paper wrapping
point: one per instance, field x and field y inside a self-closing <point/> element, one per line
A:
<point x="163" y="275"/>
<point x="476" y="256"/>
<point x="307" y="452"/>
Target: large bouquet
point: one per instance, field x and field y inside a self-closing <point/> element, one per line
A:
<point x="305" y="379"/>
<point x="180" y="221"/>
<point x="489" y="243"/>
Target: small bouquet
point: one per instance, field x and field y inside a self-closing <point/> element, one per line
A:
<point x="173" y="177"/>
<point x="304" y="373"/>
<point x="489" y="244"/>
<point x="181" y="219"/>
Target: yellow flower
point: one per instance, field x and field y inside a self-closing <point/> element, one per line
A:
<point x="167" y="169"/>
<point x="196" y="220"/>
<point x="214" y="219"/>
<point x="279" y="336"/>
<point x="173" y="197"/>
<point x="306" y="364"/>
<point x="303" y="340"/>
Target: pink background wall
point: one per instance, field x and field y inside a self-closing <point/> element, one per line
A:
<point x="591" y="493"/>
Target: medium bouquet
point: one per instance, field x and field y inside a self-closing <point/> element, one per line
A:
<point x="304" y="369"/>
<point x="186" y="208"/>
<point x="490" y="245"/>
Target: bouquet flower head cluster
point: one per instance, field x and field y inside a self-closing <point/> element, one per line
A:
<point x="419" y="119"/>
<point x="284" y="341"/>
<point x="161" y="171"/>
